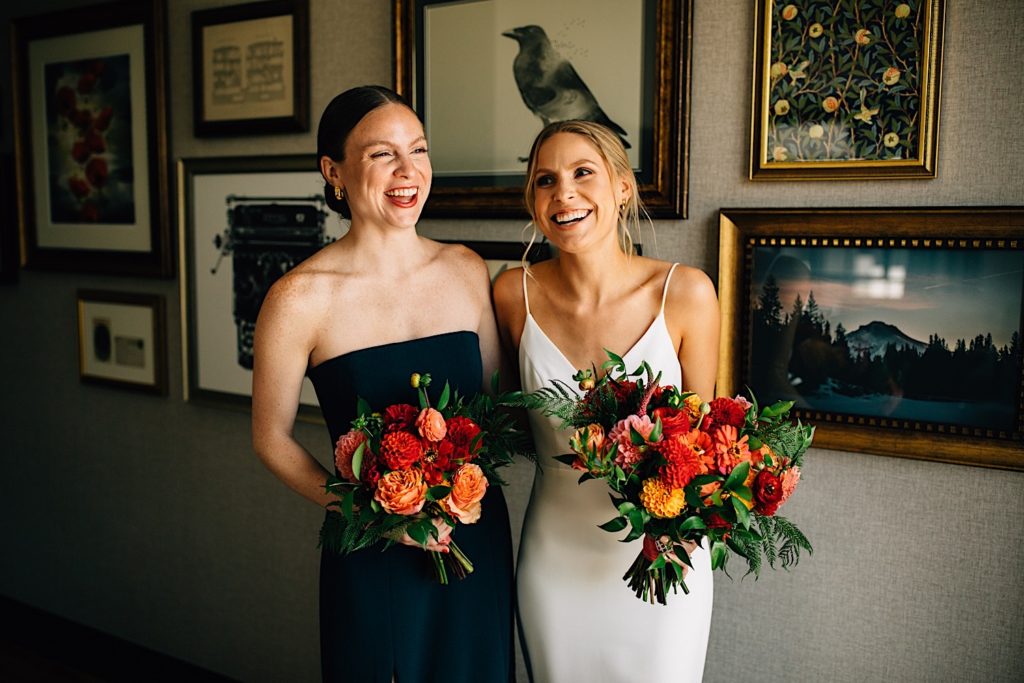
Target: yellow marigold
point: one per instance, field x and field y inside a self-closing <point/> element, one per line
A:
<point x="660" y="500"/>
<point x="692" y="405"/>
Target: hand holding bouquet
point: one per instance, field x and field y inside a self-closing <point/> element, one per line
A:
<point x="418" y="470"/>
<point x="682" y="470"/>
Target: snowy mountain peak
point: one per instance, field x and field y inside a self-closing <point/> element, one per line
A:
<point x="876" y="337"/>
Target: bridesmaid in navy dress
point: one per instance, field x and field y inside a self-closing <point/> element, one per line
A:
<point x="359" y="317"/>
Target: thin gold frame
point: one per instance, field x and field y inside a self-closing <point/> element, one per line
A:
<point x="923" y="166"/>
<point x="970" y="227"/>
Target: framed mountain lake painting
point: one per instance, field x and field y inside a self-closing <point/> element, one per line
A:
<point x="487" y="76"/>
<point x="894" y="331"/>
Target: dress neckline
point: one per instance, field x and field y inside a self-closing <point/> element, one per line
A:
<point x="378" y="347"/>
<point x="650" y="328"/>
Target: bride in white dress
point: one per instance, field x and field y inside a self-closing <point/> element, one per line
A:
<point x="579" y="619"/>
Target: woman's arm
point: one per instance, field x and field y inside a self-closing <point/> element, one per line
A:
<point x="285" y="331"/>
<point x="693" y="316"/>
<point x="510" y="311"/>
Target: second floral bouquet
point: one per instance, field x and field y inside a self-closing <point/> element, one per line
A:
<point x="404" y="466"/>
<point x="682" y="470"/>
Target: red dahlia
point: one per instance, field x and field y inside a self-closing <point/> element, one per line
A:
<point x="399" y="450"/>
<point x="726" y="411"/>
<point x="400" y="416"/>
<point x="683" y="463"/>
<point x="462" y="431"/>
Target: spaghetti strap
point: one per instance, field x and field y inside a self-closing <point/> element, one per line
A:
<point x="664" y="293"/>
<point x="526" y="298"/>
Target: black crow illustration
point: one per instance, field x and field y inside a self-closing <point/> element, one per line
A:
<point x="549" y="85"/>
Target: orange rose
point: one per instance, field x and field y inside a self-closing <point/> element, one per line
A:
<point x="589" y="438"/>
<point x="401" y="492"/>
<point x="468" y="488"/>
<point x="431" y="425"/>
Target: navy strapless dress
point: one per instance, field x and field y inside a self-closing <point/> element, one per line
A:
<point x="383" y="614"/>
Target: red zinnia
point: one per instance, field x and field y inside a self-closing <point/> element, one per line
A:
<point x="767" y="492"/>
<point x="399" y="417"/>
<point x="399" y="450"/>
<point x="726" y="411"/>
<point x="437" y="460"/>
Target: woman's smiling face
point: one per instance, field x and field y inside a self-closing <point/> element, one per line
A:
<point x="386" y="173"/>
<point x="576" y="196"/>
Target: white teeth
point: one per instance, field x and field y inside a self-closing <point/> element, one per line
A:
<point x="570" y="216"/>
<point x="403" y="192"/>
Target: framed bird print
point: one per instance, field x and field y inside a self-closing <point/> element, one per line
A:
<point x="846" y="89"/>
<point x="486" y="76"/>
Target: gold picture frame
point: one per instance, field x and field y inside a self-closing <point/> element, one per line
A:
<point x="846" y="90"/>
<point x="869" y="320"/>
<point x="640" y="74"/>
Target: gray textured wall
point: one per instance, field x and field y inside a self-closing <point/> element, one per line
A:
<point x="151" y="519"/>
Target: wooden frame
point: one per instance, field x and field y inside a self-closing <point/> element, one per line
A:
<point x="846" y="90"/>
<point x="478" y="183"/>
<point x="122" y="340"/>
<point x="228" y="264"/>
<point x="794" y="283"/>
<point x="90" y="119"/>
<point x="231" y="96"/>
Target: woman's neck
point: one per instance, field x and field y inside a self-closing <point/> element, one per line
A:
<point x="593" y="277"/>
<point x="384" y="250"/>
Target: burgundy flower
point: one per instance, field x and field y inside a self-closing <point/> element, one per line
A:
<point x="66" y="101"/>
<point x="96" y="171"/>
<point x="102" y="120"/>
<point x="461" y="432"/>
<point x="80" y="151"/>
<point x="95" y="142"/>
<point x="400" y="417"/>
<point x="78" y="187"/>
<point x="767" y="492"/>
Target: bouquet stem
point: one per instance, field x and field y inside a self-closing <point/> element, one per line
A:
<point x="454" y="559"/>
<point x="651" y="584"/>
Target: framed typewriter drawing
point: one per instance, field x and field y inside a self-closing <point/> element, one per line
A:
<point x="244" y="222"/>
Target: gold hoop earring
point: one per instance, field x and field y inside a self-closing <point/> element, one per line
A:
<point x="339" y="194"/>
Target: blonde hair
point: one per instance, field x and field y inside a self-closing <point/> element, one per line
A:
<point x="609" y="146"/>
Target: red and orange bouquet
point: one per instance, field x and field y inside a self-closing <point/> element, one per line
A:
<point x="406" y="465"/>
<point x="683" y="470"/>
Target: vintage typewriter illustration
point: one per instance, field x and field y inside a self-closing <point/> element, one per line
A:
<point x="265" y="237"/>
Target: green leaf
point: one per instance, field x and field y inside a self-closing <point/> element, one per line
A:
<point x="625" y="507"/>
<point x="744" y="492"/>
<point x="742" y="513"/>
<point x="418" y="533"/>
<point x="738" y="476"/>
<point x="636" y="437"/>
<point x="658" y="563"/>
<point x="438" y="492"/>
<point x="347" y="504"/>
<point x="677" y="569"/>
<point x="656" y="432"/>
<point x="374" y="505"/>
<point x="357" y="461"/>
<point x="362" y="407"/>
<point x="719" y="553"/>
<point x="495" y="383"/>
<point x="442" y="402"/>
<point x="691" y="523"/>
<point x="617" y="524"/>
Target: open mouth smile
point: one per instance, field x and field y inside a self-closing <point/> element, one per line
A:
<point x="571" y="216"/>
<point x="402" y="196"/>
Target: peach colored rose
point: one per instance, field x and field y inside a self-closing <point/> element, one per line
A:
<point x="830" y="104"/>
<point x="431" y="425"/>
<point x="629" y="454"/>
<point x="468" y="488"/>
<point x="343" y="452"/>
<point x="790" y="478"/>
<point x="401" y="492"/>
<point x="789" y="12"/>
<point x="587" y="439"/>
<point x="891" y="76"/>
<point x="862" y="37"/>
